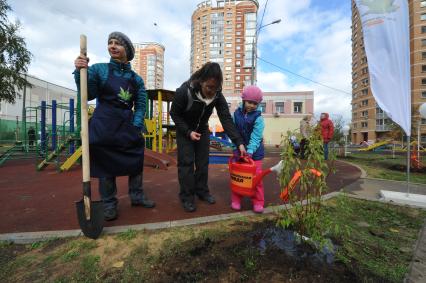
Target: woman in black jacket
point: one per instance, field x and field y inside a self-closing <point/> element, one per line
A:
<point x="191" y="109"/>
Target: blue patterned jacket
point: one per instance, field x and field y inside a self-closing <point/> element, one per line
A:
<point x="97" y="77"/>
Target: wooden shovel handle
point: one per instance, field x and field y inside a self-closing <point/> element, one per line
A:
<point x="84" y="113"/>
<point x="85" y="130"/>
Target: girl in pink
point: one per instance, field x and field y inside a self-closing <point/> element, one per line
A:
<point x="250" y="124"/>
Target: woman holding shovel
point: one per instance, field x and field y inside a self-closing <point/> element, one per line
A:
<point x="115" y="129"/>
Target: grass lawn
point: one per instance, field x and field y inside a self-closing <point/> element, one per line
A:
<point x="378" y="248"/>
<point x="383" y="166"/>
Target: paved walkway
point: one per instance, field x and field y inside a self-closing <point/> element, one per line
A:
<point x="34" y="201"/>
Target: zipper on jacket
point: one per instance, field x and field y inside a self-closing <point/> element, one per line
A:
<point x="201" y="116"/>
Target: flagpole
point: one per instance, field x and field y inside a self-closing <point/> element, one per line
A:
<point x="408" y="165"/>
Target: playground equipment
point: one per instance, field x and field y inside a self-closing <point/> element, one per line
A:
<point x="66" y="141"/>
<point x="294" y="181"/>
<point x="415" y="161"/>
<point x="243" y="175"/>
<point x="155" y="125"/>
<point x="47" y="137"/>
<point x="375" y="145"/>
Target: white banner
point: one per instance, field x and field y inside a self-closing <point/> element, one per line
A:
<point x="385" y="27"/>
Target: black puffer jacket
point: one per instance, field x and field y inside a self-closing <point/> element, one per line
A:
<point x="197" y="116"/>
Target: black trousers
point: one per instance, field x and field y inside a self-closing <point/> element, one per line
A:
<point x="193" y="166"/>
<point x="108" y="190"/>
<point x="303" y="146"/>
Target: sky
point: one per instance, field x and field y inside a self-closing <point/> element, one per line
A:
<point x="312" y="40"/>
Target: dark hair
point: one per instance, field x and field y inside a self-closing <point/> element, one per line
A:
<point x="210" y="70"/>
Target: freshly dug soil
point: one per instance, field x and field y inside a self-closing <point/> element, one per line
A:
<point x="252" y="256"/>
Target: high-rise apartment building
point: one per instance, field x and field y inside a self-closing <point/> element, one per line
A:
<point x="369" y="122"/>
<point x="149" y="64"/>
<point x="225" y="33"/>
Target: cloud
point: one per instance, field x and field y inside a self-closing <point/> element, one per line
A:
<point x="310" y="40"/>
<point x="52" y="30"/>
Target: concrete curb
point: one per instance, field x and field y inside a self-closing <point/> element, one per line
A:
<point x="363" y="172"/>
<point x="31" y="237"/>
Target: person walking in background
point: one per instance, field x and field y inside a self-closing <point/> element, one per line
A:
<point x="191" y="109"/>
<point x="115" y="129"/>
<point x="327" y="131"/>
<point x="250" y="124"/>
<point x="305" y="131"/>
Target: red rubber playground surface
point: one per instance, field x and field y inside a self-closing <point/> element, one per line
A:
<point x="41" y="201"/>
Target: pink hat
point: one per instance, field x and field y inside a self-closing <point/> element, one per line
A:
<point x="252" y="93"/>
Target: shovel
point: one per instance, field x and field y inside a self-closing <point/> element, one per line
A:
<point x="90" y="213"/>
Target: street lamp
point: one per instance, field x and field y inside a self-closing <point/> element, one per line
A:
<point x="345" y="130"/>
<point x="422" y="111"/>
<point x="254" y="43"/>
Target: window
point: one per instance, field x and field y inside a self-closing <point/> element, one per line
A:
<point x="423" y="55"/>
<point x="423" y="17"/>
<point x="423" y="121"/>
<point x="279" y="107"/>
<point x="354" y="115"/>
<point x="364" y="102"/>
<point x="364" y="124"/>
<point x="423" y="81"/>
<point x="297" y="107"/>
<point x="364" y="113"/>
<point x="423" y="94"/>
<point x="423" y="42"/>
<point x="422" y="4"/>
<point x="364" y="91"/>
<point x="263" y="106"/>
<point x="423" y="29"/>
<point x="423" y="68"/>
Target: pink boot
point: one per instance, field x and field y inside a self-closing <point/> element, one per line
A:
<point x="258" y="208"/>
<point x="236" y="206"/>
<point x="235" y="201"/>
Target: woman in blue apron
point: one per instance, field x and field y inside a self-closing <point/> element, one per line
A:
<point x="115" y="129"/>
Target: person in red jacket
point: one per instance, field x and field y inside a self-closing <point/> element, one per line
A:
<point x="327" y="131"/>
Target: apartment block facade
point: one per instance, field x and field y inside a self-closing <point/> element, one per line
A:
<point x="224" y="32"/>
<point x="369" y="122"/>
<point x="149" y="64"/>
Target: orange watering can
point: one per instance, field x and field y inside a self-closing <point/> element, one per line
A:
<point x="243" y="175"/>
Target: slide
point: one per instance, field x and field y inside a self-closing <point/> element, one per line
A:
<point x="375" y="145"/>
<point x="219" y="143"/>
<point x="158" y="160"/>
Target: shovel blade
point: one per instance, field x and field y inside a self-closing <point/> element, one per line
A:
<point x="91" y="228"/>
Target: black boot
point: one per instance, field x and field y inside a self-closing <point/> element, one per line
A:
<point x="110" y="214"/>
<point x="144" y="201"/>
<point x="136" y="193"/>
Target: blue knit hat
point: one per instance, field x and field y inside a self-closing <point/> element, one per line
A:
<point x="125" y="41"/>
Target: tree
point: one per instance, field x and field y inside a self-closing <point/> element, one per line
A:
<point x="14" y="57"/>
<point x="338" y="136"/>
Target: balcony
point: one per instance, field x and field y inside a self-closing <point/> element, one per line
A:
<point x="383" y="128"/>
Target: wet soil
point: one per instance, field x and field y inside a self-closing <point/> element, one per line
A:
<point x="264" y="253"/>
